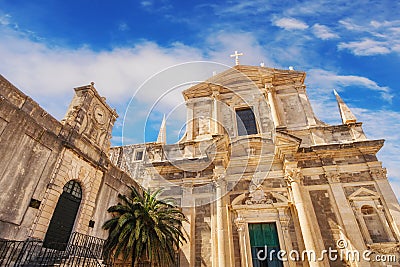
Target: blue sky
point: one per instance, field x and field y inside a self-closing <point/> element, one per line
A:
<point x="49" y="47"/>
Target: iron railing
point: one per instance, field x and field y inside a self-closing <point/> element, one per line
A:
<point x="82" y="250"/>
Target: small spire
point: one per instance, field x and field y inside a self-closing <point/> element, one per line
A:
<point x="162" y="134"/>
<point x="345" y="112"/>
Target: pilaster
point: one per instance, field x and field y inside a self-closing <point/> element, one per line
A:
<point x="294" y="178"/>
<point x="220" y="188"/>
<point x="271" y="100"/>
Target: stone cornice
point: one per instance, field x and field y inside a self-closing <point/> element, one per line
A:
<point x="371" y="146"/>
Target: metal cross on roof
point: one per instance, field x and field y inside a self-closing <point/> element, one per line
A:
<point x="236" y="56"/>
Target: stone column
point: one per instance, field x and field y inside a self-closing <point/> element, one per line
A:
<point x="284" y="221"/>
<point x="391" y="205"/>
<point x="241" y="228"/>
<point x="188" y="204"/>
<point x="345" y="210"/>
<point x="363" y="226"/>
<point x="293" y="178"/>
<point x="215" y="97"/>
<point x="271" y="101"/>
<point x="219" y="180"/>
<point x="189" y="119"/>
<point x="306" y="104"/>
<point x="381" y="213"/>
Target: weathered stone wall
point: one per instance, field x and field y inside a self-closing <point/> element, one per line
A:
<point x="29" y="148"/>
<point x="71" y="167"/>
<point x="114" y="182"/>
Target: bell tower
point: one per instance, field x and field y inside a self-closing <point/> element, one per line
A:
<point x="89" y="115"/>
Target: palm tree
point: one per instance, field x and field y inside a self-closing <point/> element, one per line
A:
<point x="144" y="228"/>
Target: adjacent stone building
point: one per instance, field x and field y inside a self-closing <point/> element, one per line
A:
<point x="255" y="171"/>
<point x="56" y="177"/>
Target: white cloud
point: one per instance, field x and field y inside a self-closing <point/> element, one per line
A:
<point x="5" y="19"/>
<point x="366" y="47"/>
<point x="48" y="74"/>
<point x="238" y="7"/>
<point x="123" y="27"/>
<point x="290" y="24"/>
<point x="323" y="32"/>
<point x="349" y="25"/>
<point x="146" y="3"/>
<point x="372" y="38"/>
<point x="328" y="79"/>
<point x="246" y="43"/>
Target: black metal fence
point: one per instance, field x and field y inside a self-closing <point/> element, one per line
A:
<point x="82" y="250"/>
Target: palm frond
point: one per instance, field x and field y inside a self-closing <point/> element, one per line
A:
<point x="144" y="227"/>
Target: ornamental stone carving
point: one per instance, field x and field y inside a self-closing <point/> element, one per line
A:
<point x="388" y="248"/>
<point x="379" y="173"/>
<point x="333" y="177"/>
<point x="258" y="196"/>
<point x="239" y="223"/>
<point x="293" y="175"/>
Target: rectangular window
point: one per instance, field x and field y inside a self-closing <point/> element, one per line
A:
<point x="246" y="122"/>
<point x="264" y="244"/>
<point x="138" y="155"/>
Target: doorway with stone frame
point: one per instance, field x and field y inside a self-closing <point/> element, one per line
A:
<point x="63" y="219"/>
<point x="262" y="224"/>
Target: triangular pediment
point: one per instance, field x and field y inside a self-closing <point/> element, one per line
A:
<point x="240" y="78"/>
<point x="285" y="139"/>
<point x="286" y="144"/>
<point x="364" y="193"/>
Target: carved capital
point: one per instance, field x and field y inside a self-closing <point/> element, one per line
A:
<point x="333" y="177"/>
<point x="240" y="223"/>
<point x="269" y="88"/>
<point x="293" y="175"/>
<point x="379" y="173"/>
<point x="215" y="94"/>
<point x="382" y="248"/>
<point x="380" y="208"/>
<point x="219" y="178"/>
<point x="301" y="88"/>
<point x="285" y="221"/>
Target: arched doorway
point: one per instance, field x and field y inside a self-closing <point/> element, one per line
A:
<point x="63" y="219"/>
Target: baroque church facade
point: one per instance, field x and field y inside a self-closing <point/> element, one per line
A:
<point x="255" y="173"/>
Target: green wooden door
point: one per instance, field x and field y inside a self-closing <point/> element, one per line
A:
<point x="264" y="238"/>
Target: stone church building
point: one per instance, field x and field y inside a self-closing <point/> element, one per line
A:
<point x="256" y="173"/>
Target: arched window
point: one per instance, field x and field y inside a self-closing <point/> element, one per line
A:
<point x="374" y="224"/>
<point x="73" y="188"/>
